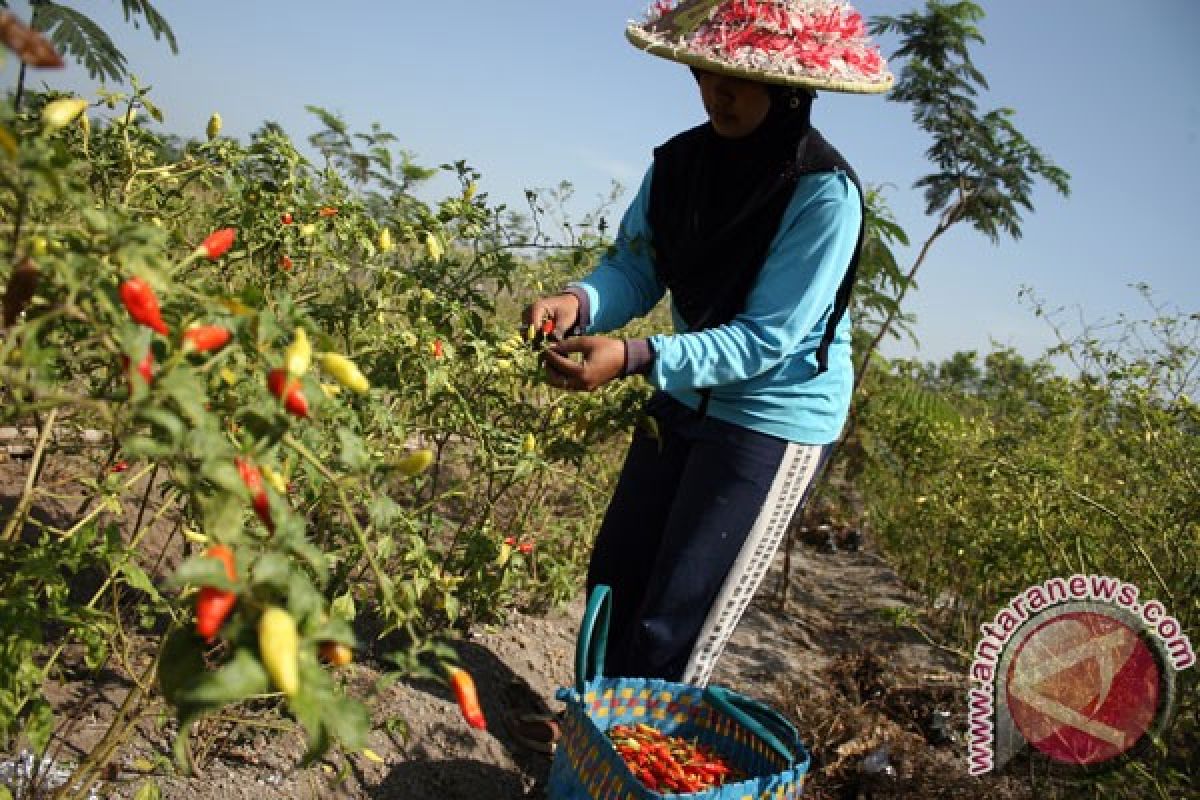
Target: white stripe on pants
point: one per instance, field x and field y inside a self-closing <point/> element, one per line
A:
<point x="796" y="471"/>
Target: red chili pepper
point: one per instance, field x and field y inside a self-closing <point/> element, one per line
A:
<point x="468" y="700"/>
<point x="206" y="338"/>
<point x="286" y="218"/>
<point x="145" y="367"/>
<point x="217" y="243"/>
<point x="438" y="351"/>
<point x="285" y="263"/>
<point x="547" y="327"/>
<point x="327" y="211"/>
<point x="119" y="467"/>
<point x="525" y="548"/>
<point x="288" y="390"/>
<point x="252" y="478"/>
<point x="669" y="763"/>
<point x="213" y="606"/>
<point x="142" y="304"/>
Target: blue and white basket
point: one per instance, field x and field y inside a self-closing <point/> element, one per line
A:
<point x="752" y="738"/>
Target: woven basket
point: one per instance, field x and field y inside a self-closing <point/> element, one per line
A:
<point x="751" y="737"/>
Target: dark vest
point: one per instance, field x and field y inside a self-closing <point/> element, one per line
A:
<point x="711" y="275"/>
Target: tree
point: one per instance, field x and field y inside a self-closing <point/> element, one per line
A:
<point x="985" y="167"/>
<point x="77" y="35"/>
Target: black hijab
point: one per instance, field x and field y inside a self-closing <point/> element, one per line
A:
<point x="716" y="204"/>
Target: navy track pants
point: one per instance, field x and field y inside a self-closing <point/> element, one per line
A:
<point x="690" y="532"/>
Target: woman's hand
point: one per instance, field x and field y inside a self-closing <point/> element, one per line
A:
<point x="603" y="360"/>
<point x="563" y="309"/>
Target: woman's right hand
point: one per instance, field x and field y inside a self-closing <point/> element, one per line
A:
<point x="563" y="309"/>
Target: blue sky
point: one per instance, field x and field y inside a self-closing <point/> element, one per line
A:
<point x="535" y="92"/>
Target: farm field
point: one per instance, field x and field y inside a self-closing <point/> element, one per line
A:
<point x="279" y="470"/>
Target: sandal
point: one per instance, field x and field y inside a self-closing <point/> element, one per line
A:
<point x="534" y="730"/>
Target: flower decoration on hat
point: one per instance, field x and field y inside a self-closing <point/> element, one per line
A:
<point x="817" y="44"/>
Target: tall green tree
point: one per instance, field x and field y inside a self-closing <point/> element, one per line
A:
<point x="985" y="169"/>
<point x="76" y="35"/>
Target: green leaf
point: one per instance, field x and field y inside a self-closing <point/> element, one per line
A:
<point x="187" y="389"/>
<point x="223" y="474"/>
<point x="200" y="570"/>
<point x="353" y="453"/>
<point x="153" y="110"/>
<point x="79" y="37"/>
<point x="348" y="722"/>
<point x="165" y="422"/>
<point x="241" y="677"/>
<point x="383" y="510"/>
<point x="154" y="20"/>
<point x="335" y="629"/>
<point x="181" y="664"/>
<point x="137" y="578"/>
<point x="303" y="600"/>
<point x="274" y="570"/>
<point x="222" y="513"/>
<point x="342" y="607"/>
<point x="148" y="791"/>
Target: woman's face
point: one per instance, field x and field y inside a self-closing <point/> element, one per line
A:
<point x="735" y="106"/>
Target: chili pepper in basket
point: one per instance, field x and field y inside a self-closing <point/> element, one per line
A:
<point x="669" y="763"/>
<point x="213" y="606"/>
<point x="142" y="304"/>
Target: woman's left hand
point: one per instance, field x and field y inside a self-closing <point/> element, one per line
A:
<point x="603" y="360"/>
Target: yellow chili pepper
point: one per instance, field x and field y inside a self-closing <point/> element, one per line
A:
<point x="58" y="114"/>
<point x="433" y="247"/>
<point x="274" y="478"/>
<point x="278" y="646"/>
<point x="214" y="126"/>
<point x="298" y="356"/>
<point x="415" y="462"/>
<point x="345" y="372"/>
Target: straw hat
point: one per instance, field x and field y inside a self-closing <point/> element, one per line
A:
<point x="817" y="44"/>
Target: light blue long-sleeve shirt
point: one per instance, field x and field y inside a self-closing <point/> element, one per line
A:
<point x="761" y="367"/>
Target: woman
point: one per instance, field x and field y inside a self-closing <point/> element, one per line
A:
<point x="753" y="222"/>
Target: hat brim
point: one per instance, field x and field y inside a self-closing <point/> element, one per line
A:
<point x="642" y="40"/>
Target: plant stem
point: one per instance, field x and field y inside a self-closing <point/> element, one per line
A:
<point x="13" y="528"/>
<point x="383" y="580"/>
<point x="118" y="729"/>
